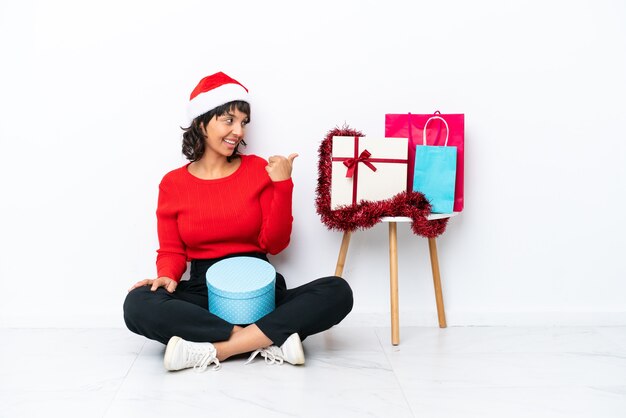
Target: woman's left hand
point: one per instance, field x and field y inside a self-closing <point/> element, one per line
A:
<point x="279" y="167"/>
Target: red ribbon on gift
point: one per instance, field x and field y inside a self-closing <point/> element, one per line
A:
<point x="365" y="157"/>
<point x="352" y="163"/>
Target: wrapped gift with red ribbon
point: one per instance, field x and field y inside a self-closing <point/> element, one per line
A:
<point x="367" y="169"/>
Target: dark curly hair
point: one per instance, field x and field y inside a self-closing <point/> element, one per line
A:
<point x="193" y="137"/>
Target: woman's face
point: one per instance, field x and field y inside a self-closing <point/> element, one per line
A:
<point x="224" y="133"/>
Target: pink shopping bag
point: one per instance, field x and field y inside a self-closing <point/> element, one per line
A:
<point x="408" y="125"/>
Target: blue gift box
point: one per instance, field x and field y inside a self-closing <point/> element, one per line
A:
<point x="241" y="289"/>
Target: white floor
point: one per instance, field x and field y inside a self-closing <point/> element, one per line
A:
<point x="349" y="372"/>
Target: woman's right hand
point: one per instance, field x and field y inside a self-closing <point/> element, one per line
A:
<point x="166" y="282"/>
<point x="279" y="168"/>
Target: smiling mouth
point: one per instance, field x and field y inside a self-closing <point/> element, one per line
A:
<point x="231" y="142"/>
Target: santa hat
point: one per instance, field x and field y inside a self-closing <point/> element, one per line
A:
<point x="213" y="91"/>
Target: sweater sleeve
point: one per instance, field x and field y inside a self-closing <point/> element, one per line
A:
<point x="172" y="254"/>
<point x="276" y="203"/>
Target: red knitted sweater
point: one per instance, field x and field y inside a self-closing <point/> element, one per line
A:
<point x="243" y="212"/>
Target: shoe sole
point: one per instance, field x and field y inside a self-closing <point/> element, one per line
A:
<point x="169" y="352"/>
<point x="296" y="354"/>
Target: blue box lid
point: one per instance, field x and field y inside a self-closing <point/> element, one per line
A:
<point x="240" y="277"/>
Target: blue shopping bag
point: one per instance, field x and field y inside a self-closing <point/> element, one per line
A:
<point x="435" y="172"/>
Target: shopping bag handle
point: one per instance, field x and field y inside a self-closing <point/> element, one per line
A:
<point x="444" y="122"/>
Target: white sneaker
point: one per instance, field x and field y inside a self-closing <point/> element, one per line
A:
<point x="181" y="354"/>
<point x="291" y="351"/>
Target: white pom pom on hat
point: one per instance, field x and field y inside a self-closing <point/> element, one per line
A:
<point x="213" y="91"/>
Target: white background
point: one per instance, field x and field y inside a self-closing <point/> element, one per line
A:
<point x="92" y="95"/>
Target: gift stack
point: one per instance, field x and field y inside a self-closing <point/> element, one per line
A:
<point x="420" y="153"/>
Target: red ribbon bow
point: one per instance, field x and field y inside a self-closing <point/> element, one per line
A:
<point x="352" y="162"/>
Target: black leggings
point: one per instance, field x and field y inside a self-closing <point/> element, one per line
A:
<point x="308" y="309"/>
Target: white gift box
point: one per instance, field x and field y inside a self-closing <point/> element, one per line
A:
<point x="366" y="168"/>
